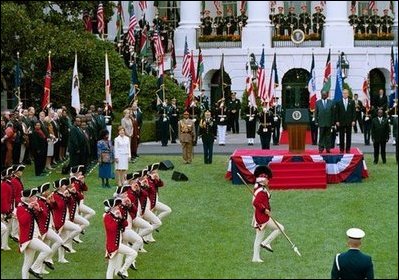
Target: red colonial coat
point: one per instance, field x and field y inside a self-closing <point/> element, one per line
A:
<point x="18" y="187"/>
<point x="80" y="187"/>
<point x="153" y="184"/>
<point x="113" y="228"/>
<point x="26" y="221"/>
<point x="72" y="204"/>
<point x="143" y="200"/>
<point x="7" y="205"/>
<point x="43" y="216"/>
<point x="59" y="210"/>
<point x="261" y="203"/>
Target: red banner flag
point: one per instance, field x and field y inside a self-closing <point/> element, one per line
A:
<point x="47" y="84"/>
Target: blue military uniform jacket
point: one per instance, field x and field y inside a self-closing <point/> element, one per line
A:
<point x="352" y="264"/>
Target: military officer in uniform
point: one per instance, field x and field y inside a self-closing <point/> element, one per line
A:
<point x="386" y="22"/>
<point x="233" y="110"/>
<point x="366" y="125"/>
<point x="174" y="114"/>
<point x="276" y="122"/>
<point x="221" y="121"/>
<point x="265" y="128"/>
<point x="230" y="22"/>
<point x="187" y="136"/>
<point x="195" y="115"/>
<point x="304" y="20"/>
<point x="242" y="20"/>
<point x="207" y="131"/>
<point x="218" y="23"/>
<point x="358" y="110"/>
<point x="354" y="20"/>
<point x="318" y="20"/>
<point x="207" y="23"/>
<point x="279" y="21"/>
<point x="251" y="113"/>
<point x="364" y="22"/>
<point x="375" y="22"/>
<point x="262" y="216"/>
<point x="292" y="20"/>
<point x="204" y="101"/>
<point x="163" y="122"/>
<point x="353" y="264"/>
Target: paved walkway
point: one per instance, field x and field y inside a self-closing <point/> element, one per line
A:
<point x="239" y="141"/>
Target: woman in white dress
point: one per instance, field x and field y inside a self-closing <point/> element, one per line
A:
<point x="122" y="155"/>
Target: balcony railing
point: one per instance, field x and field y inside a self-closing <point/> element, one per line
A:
<point x="375" y="40"/>
<point x="218" y="41"/>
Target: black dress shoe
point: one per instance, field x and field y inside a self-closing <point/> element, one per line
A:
<point x="132" y="266"/>
<point x="49" y="265"/>
<point x="121" y="275"/>
<point x="66" y="248"/>
<point x="37" y="275"/>
<point x="14" y="238"/>
<point x="267" y="247"/>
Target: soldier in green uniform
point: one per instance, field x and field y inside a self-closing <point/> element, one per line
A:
<point x="318" y="21"/>
<point x="364" y="22"/>
<point x="386" y="22"/>
<point x="354" y="20"/>
<point x="353" y="264"/>
<point x="218" y="23"/>
<point x="292" y="20"/>
<point x="230" y="22"/>
<point x="375" y="22"/>
<point x="279" y="21"/>
<point x="304" y="20"/>
<point x="242" y="20"/>
<point x="207" y="23"/>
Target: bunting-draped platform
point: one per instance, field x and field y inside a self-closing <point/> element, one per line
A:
<point x="299" y="171"/>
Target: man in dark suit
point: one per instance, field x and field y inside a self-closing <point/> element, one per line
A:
<point x="324" y="120"/>
<point x="353" y="264"/>
<point x="207" y="131"/>
<point x="381" y="102"/>
<point x="380" y="135"/>
<point x="345" y="116"/>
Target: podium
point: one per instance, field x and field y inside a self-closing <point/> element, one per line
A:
<point x="297" y="121"/>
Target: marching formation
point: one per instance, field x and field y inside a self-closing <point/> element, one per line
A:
<point x="47" y="219"/>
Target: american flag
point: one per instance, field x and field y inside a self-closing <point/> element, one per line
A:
<point x="158" y="45"/>
<point x="132" y="25"/>
<point x="218" y="5"/>
<point x="87" y="21"/>
<point x="262" y="78"/>
<point x="186" y="61"/>
<point x="371" y="5"/>
<point x="143" y="5"/>
<point x="365" y="87"/>
<point x="242" y="5"/>
<point x="392" y="72"/>
<point x="100" y="20"/>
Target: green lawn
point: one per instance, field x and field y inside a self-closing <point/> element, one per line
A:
<point x="208" y="234"/>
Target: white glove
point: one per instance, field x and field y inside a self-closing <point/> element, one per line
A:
<point x="222" y="119"/>
<point x="313" y="119"/>
<point x="275" y="119"/>
<point x="264" y="110"/>
<point x="251" y="119"/>
<point x="194" y="120"/>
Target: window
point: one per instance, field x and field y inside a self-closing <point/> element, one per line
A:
<point x="170" y="10"/>
<point x="229" y="5"/>
<point x="297" y="5"/>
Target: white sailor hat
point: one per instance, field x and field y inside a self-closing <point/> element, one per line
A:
<point x="355" y="233"/>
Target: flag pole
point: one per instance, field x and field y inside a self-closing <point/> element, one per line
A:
<point x="49" y="59"/>
<point x="19" y="83"/>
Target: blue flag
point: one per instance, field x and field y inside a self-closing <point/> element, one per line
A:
<point x="134" y="83"/>
<point x="339" y="82"/>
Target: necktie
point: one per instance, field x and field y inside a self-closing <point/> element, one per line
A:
<point x="324" y="104"/>
<point x="380" y="119"/>
<point x="345" y="104"/>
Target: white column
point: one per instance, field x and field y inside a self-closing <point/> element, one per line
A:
<point x="337" y="31"/>
<point x="395" y="21"/>
<point x="149" y="13"/>
<point x="258" y="30"/>
<point x="190" y="13"/>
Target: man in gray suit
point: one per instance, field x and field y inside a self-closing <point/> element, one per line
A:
<point x="324" y="119"/>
